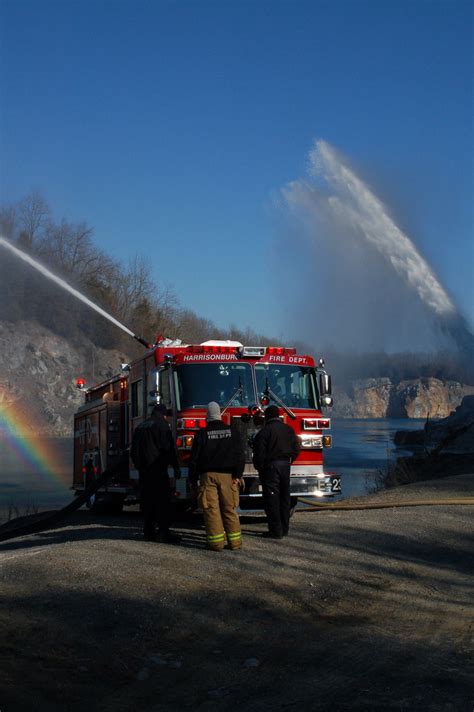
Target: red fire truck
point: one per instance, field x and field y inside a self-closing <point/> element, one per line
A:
<point x="242" y="379"/>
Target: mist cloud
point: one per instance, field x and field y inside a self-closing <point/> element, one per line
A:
<point x="371" y="287"/>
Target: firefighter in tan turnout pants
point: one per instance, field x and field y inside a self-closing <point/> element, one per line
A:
<point x="218" y="460"/>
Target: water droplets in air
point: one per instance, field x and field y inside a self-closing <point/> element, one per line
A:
<point x="346" y="201"/>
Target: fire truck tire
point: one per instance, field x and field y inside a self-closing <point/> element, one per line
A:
<point x="113" y="504"/>
<point x="293" y="503"/>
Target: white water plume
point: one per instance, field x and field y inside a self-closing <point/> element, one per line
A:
<point x="62" y="283"/>
<point x="352" y="206"/>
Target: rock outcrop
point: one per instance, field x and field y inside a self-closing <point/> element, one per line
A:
<point x="443" y="447"/>
<point x="39" y="371"/>
<point x="454" y="434"/>
<point x="419" y="398"/>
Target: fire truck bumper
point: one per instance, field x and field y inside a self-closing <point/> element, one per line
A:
<point x="304" y="482"/>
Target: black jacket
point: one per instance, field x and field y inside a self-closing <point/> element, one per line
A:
<point x="216" y="448"/>
<point x="152" y="444"/>
<point x="275" y="441"/>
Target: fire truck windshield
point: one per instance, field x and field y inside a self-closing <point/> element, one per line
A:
<point x="296" y="386"/>
<point x="197" y="384"/>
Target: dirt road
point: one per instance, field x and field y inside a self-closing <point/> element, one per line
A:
<point x="362" y="610"/>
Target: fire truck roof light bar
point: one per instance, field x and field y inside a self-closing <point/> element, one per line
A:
<point x="280" y="351"/>
<point x="199" y="349"/>
<point x="259" y="351"/>
<point x="244" y="351"/>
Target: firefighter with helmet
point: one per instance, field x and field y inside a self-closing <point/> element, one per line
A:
<point x="218" y="460"/>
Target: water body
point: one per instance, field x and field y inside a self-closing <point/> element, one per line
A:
<point x="27" y="482"/>
<point x="361" y="449"/>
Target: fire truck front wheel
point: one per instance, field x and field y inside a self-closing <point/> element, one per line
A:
<point x="106" y="504"/>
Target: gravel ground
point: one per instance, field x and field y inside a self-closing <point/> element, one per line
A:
<point x="356" y="610"/>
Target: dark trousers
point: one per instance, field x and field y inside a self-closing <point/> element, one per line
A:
<point x="155" y="500"/>
<point x="275" y="479"/>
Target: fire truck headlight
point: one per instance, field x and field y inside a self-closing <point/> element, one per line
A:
<point x="327" y="440"/>
<point x="311" y="441"/>
<point x="316" y="423"/>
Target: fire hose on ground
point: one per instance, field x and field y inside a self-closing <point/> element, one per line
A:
<point x="9" y="531"/>
<point x="314" y="507"/>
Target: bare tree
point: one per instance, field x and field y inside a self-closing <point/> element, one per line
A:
<point x="141" y="303"/>
<point x="166" y="306"/>
<point x="8" y="221"/>
<point x="69" y="247"/>
<point x="33" y="217"/>
<point x="133" y="285"/>
<point x="194" y="329"/>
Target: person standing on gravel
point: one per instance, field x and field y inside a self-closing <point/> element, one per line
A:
<point x="274" y="449"/>
<point x="152" y="450"/>
<point x="218" y="460"/>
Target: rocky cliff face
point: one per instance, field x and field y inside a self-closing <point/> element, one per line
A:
<point x="38" y="375"/>
<point x="380" y="398"/>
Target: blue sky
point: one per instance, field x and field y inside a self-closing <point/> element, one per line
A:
<point x="171" y="127"/>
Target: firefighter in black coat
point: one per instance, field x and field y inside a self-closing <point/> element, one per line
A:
<point x="274" y="449"/>
<point x="218" y="461"/>
<point x="152" y="451"/>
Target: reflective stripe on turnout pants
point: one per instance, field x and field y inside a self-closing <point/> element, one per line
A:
<point x="218" y="498"/>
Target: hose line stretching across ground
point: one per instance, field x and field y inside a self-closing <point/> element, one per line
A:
<point x="458" y="501"/>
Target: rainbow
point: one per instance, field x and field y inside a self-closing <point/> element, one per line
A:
<point x="38" y="454"/>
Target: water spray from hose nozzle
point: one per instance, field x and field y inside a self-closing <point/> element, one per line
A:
<point x="62" y="283"/>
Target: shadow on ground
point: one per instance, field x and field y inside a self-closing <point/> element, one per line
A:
<point x="345" y="616"/>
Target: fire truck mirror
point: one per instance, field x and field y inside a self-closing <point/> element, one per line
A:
<point x="325" y="384"/>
